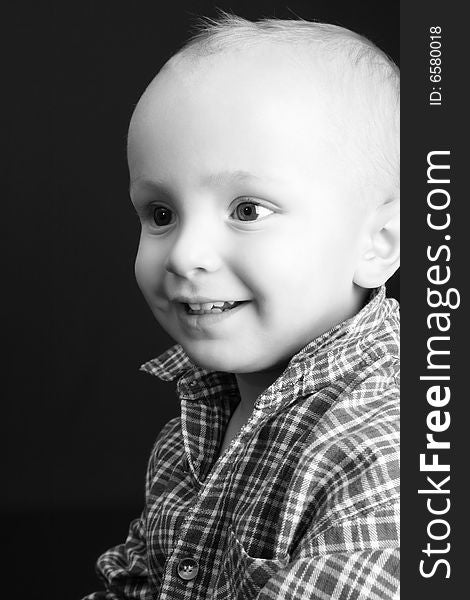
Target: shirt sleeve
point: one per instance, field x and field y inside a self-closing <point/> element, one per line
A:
<point x="123" y="569"/>
<point x="359" y="561"/>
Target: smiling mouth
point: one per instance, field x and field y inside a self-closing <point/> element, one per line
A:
<point x="210" y="308"/>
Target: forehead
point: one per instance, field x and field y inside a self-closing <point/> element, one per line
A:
<point x="257" y="74"/>
<point x="262" y="110"/>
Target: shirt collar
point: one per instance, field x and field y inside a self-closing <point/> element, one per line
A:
<point x="344" y="351"/>
<point x="170" y="365"/>
<point x="337" y="353"/>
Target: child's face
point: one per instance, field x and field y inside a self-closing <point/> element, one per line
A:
<point x="243" y="198"/>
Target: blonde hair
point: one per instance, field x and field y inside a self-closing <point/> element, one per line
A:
<point x="365" y="75"/>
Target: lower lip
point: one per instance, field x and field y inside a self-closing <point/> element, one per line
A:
<point x="199" y="322"/>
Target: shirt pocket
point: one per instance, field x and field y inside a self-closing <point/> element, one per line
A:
<point x="242" y="576"/>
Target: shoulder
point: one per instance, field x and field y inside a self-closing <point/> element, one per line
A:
<point x="349" y="463"/>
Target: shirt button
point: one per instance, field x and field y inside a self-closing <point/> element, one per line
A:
<point x="188" y="568"/>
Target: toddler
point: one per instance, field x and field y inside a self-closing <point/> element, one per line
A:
<point x="263" y="164"/>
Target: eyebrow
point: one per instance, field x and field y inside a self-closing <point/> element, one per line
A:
<point x="213" y="179"/>
<point x="229" y="177"/>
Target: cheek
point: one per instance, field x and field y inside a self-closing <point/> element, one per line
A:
<point x="149" y="265"/>
<point x="270" y="267"/>
<point x="297" y="263"/>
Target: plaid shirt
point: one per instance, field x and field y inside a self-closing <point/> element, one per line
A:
<point x="304" y="502"/>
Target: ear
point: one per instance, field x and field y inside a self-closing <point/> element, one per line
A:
<point x="381" y="249"/>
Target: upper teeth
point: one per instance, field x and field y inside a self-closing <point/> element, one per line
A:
<point x="210" y="305"/>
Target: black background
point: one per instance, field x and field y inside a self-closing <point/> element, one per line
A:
<point x="81" y="419"/>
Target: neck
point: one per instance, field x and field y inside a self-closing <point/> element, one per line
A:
<point x="252" y="385"/>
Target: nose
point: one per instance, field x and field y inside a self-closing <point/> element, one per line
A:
<point x="195" y="250"/>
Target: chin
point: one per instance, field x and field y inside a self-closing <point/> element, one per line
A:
<point x="214" y="361"/>
<point x="226" y="360"/>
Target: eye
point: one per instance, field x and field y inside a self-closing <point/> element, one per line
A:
<point x="250" y="211"/>
<point x="163" y="216"/>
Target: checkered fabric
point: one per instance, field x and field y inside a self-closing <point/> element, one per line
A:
<point x="304" y="502"/>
